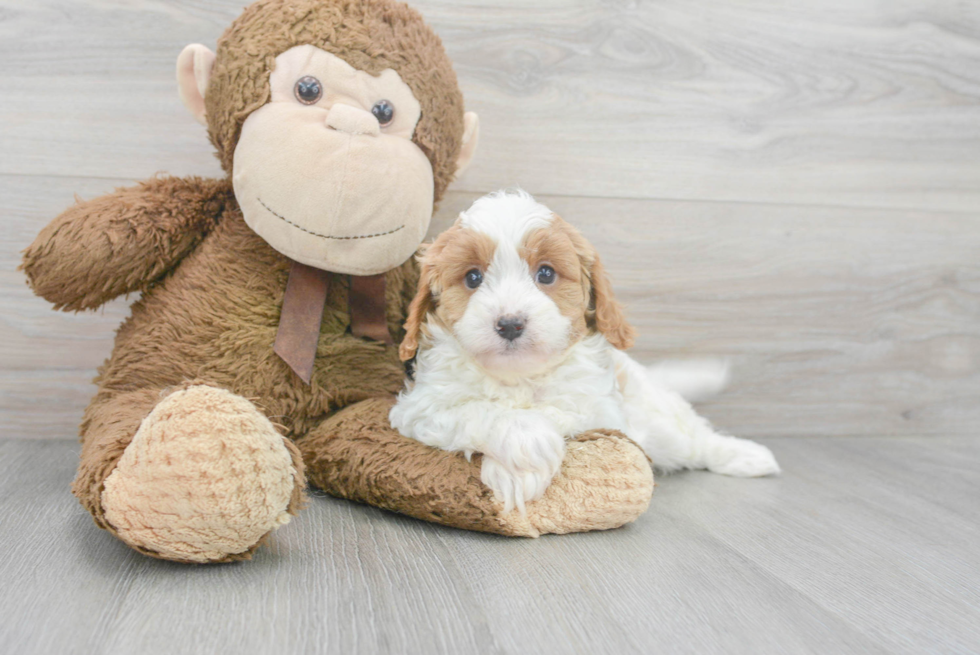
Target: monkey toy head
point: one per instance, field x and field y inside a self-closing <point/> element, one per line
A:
<point x="340" y="123"/>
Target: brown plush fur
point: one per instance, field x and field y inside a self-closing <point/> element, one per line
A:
<point x="212" y="290"/>
<point x="122" y="242"/>
<point x="211" y="319"/>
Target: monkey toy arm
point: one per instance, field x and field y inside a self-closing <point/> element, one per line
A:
<point x="123" y="241"/>
<point x="605" y="480"/>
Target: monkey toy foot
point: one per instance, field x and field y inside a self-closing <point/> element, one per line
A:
<point x="205" y="479"/>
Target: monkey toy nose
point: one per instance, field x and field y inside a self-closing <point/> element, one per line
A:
<point x="352" y="120"/>
<point x="510" y="327"/>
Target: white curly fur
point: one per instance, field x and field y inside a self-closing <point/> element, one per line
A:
<point x="517" y="402"/>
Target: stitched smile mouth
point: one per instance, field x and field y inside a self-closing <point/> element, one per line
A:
<point x="327" y="236"/>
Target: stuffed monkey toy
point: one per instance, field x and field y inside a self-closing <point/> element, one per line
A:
<point x="262" y="351"/>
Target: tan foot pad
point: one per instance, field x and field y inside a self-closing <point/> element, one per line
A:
<point x="205" y="479"/>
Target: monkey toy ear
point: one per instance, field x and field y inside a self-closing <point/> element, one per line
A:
<point x="193" y="74"/>
<point x="471" y="136"/>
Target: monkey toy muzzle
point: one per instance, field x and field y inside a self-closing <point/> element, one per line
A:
<point x="321" y="179"/>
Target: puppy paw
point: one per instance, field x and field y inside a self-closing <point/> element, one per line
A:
<point x="743" y="459"/>
<point x="513" y="488"/>
<point x="522" y="462"/>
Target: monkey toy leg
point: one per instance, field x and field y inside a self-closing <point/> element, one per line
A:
<point x="605" y="481"/>
<point x="191" y="474"/>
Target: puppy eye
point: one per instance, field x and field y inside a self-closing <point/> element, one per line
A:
<point x="308" y="90"/>
<point x="473" y="279"/>
<point x="384" y="111"/>
<point x="546" y="275"/>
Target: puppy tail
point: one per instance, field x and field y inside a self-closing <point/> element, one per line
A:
<point x="693" y="379"/>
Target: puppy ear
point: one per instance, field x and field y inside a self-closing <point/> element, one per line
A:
<point x="604" y="312"/>
<point x="429" y="289"/>
<point x="417" y="311"/>
<point x="424" y="300"/>
<point x="609" y="316"/>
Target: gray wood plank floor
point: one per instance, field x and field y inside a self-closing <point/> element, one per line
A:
<point x="863" y="545"/>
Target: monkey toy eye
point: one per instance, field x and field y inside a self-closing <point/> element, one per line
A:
<point x="546" y="275"/>
<point x="473" y="279"/>
<point x="308" y="90"/>
<point x="384" y="111"/>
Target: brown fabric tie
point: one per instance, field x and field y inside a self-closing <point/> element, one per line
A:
<point x="299" y="322"/>
<point x="302" y="313"/>
<point x="367" y="308"/>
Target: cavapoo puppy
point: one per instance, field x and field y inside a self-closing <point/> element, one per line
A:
<point x="518" y="344"/>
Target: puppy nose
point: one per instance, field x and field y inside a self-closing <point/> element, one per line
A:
<point x="352" y="120"/>
<point x="510" y="327"/>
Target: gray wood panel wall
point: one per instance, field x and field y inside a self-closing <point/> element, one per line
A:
<point x="793" y="186"/>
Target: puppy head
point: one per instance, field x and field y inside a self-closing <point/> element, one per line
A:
<point x="516" y="285"/>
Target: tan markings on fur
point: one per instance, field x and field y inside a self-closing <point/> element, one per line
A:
<point x="570" y="292"/>
<point x="441" y="287"/>
<point x="418" y="309"/>
<point x="610" y="319"/>
<point x="604" y="314"/>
